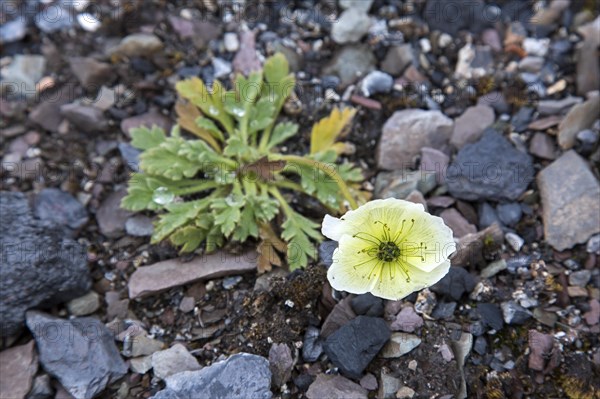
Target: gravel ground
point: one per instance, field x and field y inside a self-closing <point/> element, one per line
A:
<point x="484" y="111"/>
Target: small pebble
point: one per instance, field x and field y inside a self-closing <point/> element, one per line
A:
<point x="515" y="241"/>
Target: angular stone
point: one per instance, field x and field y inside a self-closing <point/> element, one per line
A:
<point x="571" y="209"/>
<point x="87" y="118"/>
<point x="84" y="305"/>
<point x="111" y="217"/>
<point x="79" y="352"/>
<point x="351" y="26"/>
<point x="341" y="314"/>
<point x="40" y="266"/>
<point x="541" y="346"/>
<point x="400" y="183"/>
<point x="91" y="73"/>
<point x="141" y="365"/>
<point x="148" y="119"/>
<point x="281" y="363"/>
<point x="406" y="132"/>
<point x="367" y="305"/>
<point x="459" y="225"/>
<point x="491" y="315"/>
<point x="171" y="273"/>
<point x="137" y="45"/>
<point x="454" y="284"/>
<point x="174" y="360"/>
<point x="398" y="58"/>
<point x="490" y="169"/>
<point x="514" y="313"/>
<point x="312" y="346"/>
<point x="588" y="68"/>
<point x="142" y="345"/>
<point x="355" y="344"/>
<point x="388" y="386"/>
<point x="542" y="146"/>
<point x="351" y="63"/>
<point x="246" y="60"/>
<point x="240" y="376"/>
<point x="47" y="112"/>
<point x="18" y="366"/>
<point x="580" y="117"/>
<point x="400" y="344"/>
<point x="436" y="161"/>
<point x="21" y="76"/>
<point x="335" y="386"/>
<point x="469" y="127"/>
<point x="470" y="248"/>
<point x="57" y="206"/>
<point x="407" y="320"/>
<point x="552" y="107"/>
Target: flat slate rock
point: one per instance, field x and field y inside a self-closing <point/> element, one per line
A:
<point x="490" y="169"/>
<point x="355" y="344"/>
<point x="40" y="265"/>
<point x="335" y="387"/>
<point x="571" y="209"/>
<point x="239" y="377"/>
<point x="80" y="352"/>
<point x="18" y="366"/>
<point x="171" y="273"/>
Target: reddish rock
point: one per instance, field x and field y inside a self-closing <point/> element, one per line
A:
<point x="18" y="365"/>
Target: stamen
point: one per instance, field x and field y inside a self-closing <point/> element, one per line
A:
<point x="399" y="234"/>
<point x="376" y="242"/>
<point x="404" y="270"/>
<point x="362" y="263"/>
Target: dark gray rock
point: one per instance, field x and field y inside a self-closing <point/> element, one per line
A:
<point x="480" y="345"/>
<point x="490" y="315"/>
<point x="514" y="263"/>
<point x="355" y="344"/>
<point x="59" y="207"/>
<point x="367" y="305"/>
<point x="490" y="169"/>
<point x="376" y="82"/>
<point x="326" y="249"/>
<point x="40" y="266"/>
<point x="510" y="213"/>
<point x="521" y="119"/>
<point x="130" y="155"/>
<point x="487" y="215"/>
<point x="350" y="63"/>
<point x="281" y="363"/>
<point x="514" y="313"/>
<point x="444" y="310"/>
<point x="241" y="376"/>
<point x="80" y="352"/>
<point x="87" y="118"/>
<point x="455" y="283"/>
<point x="312" y="346"/>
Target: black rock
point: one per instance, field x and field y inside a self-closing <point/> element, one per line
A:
<point x="455" y="283"/>
<point x="510" y="214"/>
<point x="480" y="345"/>
<point x="444" y="310"/>
<point x="56" y="206"/>
<point x="39" y="267"/>
<point x="355" y="344"/>
<point x="521" y="119"/>
<point x="490" y="315"/>
<point x="490" y="169"/>
<point x="303" y="381"/>
<point x="142" y="65"/>
<point x="326" y="249"/>
<point x="487" y="215"/>
<point x="367" y="305"/>
<point x="312" y="346"/>
<point x="514" y="313"/>
<point x="81" y="352"/>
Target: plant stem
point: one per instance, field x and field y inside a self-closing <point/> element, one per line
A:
<point x="329" y="171"/>
<point x="196" y="188"/>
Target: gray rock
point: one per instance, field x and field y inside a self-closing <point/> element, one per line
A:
<point x="494" y="268"/>
<point x="326" y="249"/>
<point x="580" y="117"/>
<point x="514" y="240"/>
<point x="469" y="127"/>
<point x="406" y="132"/>
<point x="435" y="161"/>
<point x="521" y="119"/>
<point x="130" y="155"/>
<point x="13" y="31"/>
<point x="142" y="345"/>
<point x="367" y="305"/>
<point x="221" y="67"/>
<point x="18" y="366"/>
<point x="90" y="73"/>
<point x="376" y="82"/>
<point x="355" y="344"/>
<point x="588" y="78"/>
<point x="514" y="313"/>
<point x="455" y="283"/>
<point x="487" y="215"/>
<point x="111" y="217"/>
<point x="335" y="386"/>
<point x="553" y="107"/>
<point x="399" y="184"/>
<point x="41" y="388"/>
<point x="369" y="382"/>
<point x="241" y="376"/>
<point x="407" y="320"/>
<point x="571" y="210"/>
<point x="312" y="346"/>
<point x="281" y="363"/>
<point x="490" y="315"/>
<point x="509" y="214"/>
<point x="363" y="5"/>
<point x="444" y="310"/>
<point x="84" y="305"/>
<point x="171" y="273"/>
<point x="59" y="207"/>
<point x="340" y="315"/>
<point x="459" y="225"/>
<point x="54" y="19"/>
<point x="400" y="344"/>
<point x="40" y="266"/>
<point x="593" y="245"/>
<point x="542" y="146"/>
<point x="351" y="26"/>
<point x="139" y="226"/>
<point x="87" y="118"/>
<point x="172" y="361"/>
<point x="147" y="119"/>
<point x="140" y="365"/>
<point x="22" y="74"/>
<point x="489" y="169"/>
<point x="137" y="45"/>
<point x="531" y="64"/>
<point x="84" y="364"/>
<point x="398" y="58"/>
<point x="388" y="386"/>
<point x="351" y="63"/>
<point x="580" y="278"/>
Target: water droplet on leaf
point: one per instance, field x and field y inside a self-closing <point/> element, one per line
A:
<point x="163" y="196"/>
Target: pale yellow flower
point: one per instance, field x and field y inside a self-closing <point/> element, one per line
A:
<point x="389" y="248"/>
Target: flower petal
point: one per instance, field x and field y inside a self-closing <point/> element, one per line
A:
<point x="351" y="269"/>
<point x="333" y="228"/>
<point x="398" y="287"/>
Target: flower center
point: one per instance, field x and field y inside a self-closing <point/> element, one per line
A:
<point x="388" y="251"/>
